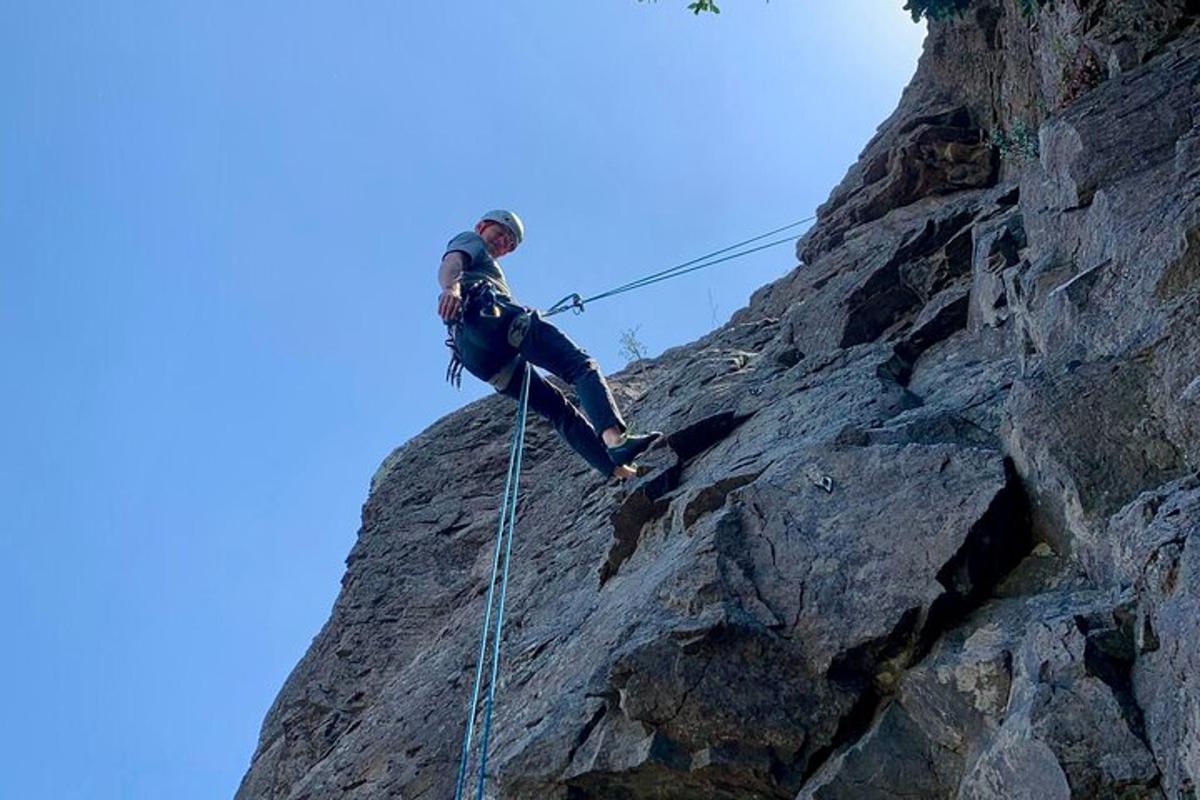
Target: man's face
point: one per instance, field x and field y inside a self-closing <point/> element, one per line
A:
<point x="497" y="238"/>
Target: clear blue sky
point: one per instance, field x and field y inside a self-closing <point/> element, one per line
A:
<point x="219" y="226"/>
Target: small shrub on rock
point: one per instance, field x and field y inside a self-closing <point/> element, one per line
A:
<point x="1019" y="143"/>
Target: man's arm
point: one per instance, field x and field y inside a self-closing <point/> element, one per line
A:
<point x="449" y="272"/>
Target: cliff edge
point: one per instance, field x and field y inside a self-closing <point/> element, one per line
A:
<point x="923" y="524"/>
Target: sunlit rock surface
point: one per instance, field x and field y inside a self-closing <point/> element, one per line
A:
<point x="923" y="525"/>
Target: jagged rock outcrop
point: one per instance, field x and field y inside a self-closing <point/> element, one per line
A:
<point x="923" y="525"/>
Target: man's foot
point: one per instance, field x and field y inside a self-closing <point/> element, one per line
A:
<point x="624" y="472"/>
<point x="633" y="446"/>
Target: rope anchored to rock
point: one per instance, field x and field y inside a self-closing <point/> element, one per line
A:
<point x="574" y="302"/>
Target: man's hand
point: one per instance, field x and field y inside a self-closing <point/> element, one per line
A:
<point x="449" y="271"/>
<point x="449" y="303"/>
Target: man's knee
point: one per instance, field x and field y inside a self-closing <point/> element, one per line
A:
<point x="546" y="345"/>
<point x="582" y="367"/>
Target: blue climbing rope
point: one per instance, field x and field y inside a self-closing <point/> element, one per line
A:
<point x="577" y="303"/>
<point x="504" y="536"/>
<point x="522" y="417"/>
<point x="502" y="554"/>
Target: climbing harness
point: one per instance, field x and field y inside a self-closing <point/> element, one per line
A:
<point x="504" y="537"/>
<point x="477" y="297"/>
<point x="481" y="299"/>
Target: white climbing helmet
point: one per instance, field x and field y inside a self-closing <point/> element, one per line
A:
<point x="509" y="220"/>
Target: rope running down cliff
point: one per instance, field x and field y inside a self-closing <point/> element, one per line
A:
<point x="508" y="506"/>
<point x="504" y="537"/>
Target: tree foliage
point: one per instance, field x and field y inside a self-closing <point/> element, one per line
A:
<point x="935" y="9"/>
<point x="699" y="6"/>
<point x="931" y="9"/>
<point x="632" y="348"/>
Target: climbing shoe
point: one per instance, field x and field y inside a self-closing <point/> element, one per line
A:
<point x="632" y="447"/>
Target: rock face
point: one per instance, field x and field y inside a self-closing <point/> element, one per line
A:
<point x="923" y="525"/>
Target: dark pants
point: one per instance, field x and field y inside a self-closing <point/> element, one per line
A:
<point x="486" y="350"/>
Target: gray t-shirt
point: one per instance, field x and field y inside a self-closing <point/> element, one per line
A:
<point x="480" y="265"/>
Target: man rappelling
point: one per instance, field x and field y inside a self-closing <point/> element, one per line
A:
<point x="496" y="339"/>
